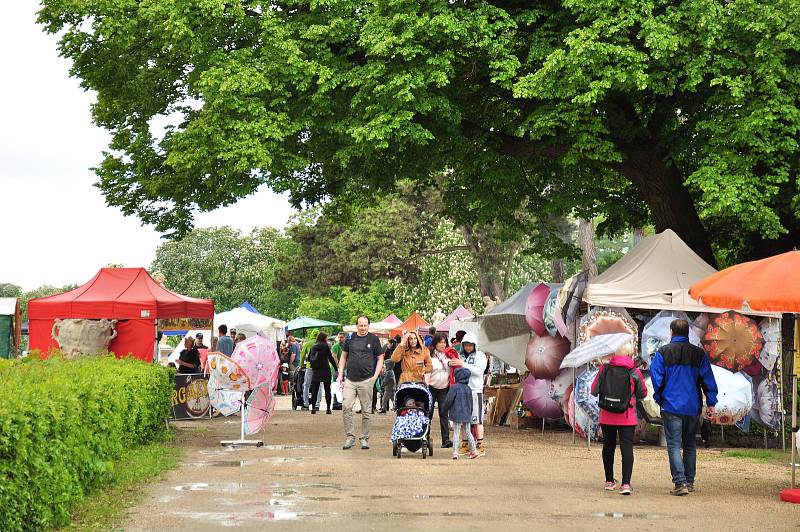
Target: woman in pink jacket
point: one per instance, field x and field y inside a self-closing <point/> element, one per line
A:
<point x="614" y="420"/>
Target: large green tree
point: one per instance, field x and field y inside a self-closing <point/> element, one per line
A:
<point x="684" y="112"/>
<point x="223" y="264"/>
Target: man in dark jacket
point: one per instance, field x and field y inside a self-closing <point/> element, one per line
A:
<point x="681" y="374"/>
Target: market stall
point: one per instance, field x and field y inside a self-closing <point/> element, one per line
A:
<point x="10" y="326"/>
<point x="126" y="302"/>
<point x="247" y="320"/>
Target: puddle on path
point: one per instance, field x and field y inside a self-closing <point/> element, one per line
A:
<point x="228" y="519"/>
<point x="623" y="515"/>
<point x="292" y="447"/>
<point x="239" y="487"/>
<point x="218" y="487"/>
<point x="248" y="463"/>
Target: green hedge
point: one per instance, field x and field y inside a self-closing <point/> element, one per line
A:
<point x="62" y="425"/>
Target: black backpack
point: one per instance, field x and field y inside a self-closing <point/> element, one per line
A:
<point x="615" y="389"/>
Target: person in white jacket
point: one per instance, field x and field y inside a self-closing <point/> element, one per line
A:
<point x="475" y="361"/>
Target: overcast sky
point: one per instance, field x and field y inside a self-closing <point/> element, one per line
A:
<point x="56" y="226"/>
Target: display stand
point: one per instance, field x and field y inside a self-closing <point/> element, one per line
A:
<point x="241" y="441"/>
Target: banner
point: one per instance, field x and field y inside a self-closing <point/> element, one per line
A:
<point x="190" y="396"/>
<point x="183" y="324"/>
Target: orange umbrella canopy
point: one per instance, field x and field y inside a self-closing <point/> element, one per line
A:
<point x="766" y="285"/>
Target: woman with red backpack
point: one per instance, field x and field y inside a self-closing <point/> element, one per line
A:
<point x="619" y="385"/>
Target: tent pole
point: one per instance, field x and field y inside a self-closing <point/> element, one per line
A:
<point x="573" y="398"/>
<point x="794" y="400"/>
<point x="779" y="375"/>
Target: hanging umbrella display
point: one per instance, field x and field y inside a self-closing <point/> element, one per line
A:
<point x="568" y="407"/>
<point x="551" y="314"/>
<point x="560" y="385"/>
<point x="767" y="404"/>
<point x="536" y="397"/>
<point x="734" y="396"/>
<point x="596" y="347"/>
<point x="226" y="402"/>
<point x="508" y="318"/>
<point x="571" y="295"/>
<point x="732" y="340"/>
<point x="650" y="409"/>
<point x="770" y="329"/>
<point x="657" y="333"/>
<point x="544" y="354"/>
<point x="587" y="406"/>
<point x="534" y="307"/>
<point x="258" y="358"/>
<point x="258" y="409"/>
<point x="608" y="321"/>
<point x="228" y="374"/>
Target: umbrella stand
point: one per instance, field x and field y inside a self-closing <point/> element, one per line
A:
<point x="241" y="440"/>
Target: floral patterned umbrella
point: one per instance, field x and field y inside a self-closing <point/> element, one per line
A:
<point x="771" y="331"/>
<point x="258" y="408"/>
<point x="560" y="385"/>
<point x="227" y="373"/>
<point x="732" y="341"/>
<point x="657" y="332"/>
<point x="608" y="321"/>
<point x="734" y="396"/>
<point x="587" y="406"/>
<point x="226" y="402"/>
<point x="259" y="359"/>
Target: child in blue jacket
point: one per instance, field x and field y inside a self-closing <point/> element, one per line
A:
<point x="458" y="405"/>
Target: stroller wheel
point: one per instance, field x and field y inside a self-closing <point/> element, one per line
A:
<point x="430" y="447"/>
<point x="399" y="450"/>
<point x="394" y="449"/>
<point x="424" y="452"/>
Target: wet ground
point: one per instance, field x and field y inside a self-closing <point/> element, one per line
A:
<point x="302" y="479"/>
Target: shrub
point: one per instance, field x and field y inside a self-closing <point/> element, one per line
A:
<point x="62" y="425"/>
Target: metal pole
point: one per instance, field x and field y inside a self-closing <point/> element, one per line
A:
<point x="573" y="398"/>
<point x="794" y="400"/>
<point x="542" y="426"/>
<point x="779" y="376"/>
<point x="242" y="438"/>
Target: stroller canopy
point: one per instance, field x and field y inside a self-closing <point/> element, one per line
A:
<point x="417" y="391"/>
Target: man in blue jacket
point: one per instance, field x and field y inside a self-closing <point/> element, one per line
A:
<point x="681" y="373"/>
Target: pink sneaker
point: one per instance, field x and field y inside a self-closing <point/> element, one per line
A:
<point x="611" y="486"/>
<point x="625" y="490"/>
<point x="474" y="454"/>
<point x="455" y="455"/>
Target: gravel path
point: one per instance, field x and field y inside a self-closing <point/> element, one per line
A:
<point x="302" y="479"/>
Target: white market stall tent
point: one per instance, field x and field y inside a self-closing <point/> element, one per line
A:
<point x="247" y="320"/>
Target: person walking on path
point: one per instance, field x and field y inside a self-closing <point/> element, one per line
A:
<point x="338" y="347"/>
<point x="413" y="357"/>
<point x="308" y="374"/>
<point x="321" y="360"/>
<point x="388" y="383"/>
<point x="458" y="405"/>
<point x="475" y="361"/>
<point x="681" y="374"/>
<point x="362" y="359"/>
<point x="619" y="385"/>
<point x="442" y="358"/>
<point x="225" y="342"/>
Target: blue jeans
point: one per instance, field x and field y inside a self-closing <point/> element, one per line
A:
<point x="681" y="432"/>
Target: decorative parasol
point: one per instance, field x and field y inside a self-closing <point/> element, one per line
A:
<point x="657" y="333"/>
<point x="228" y="374"/>
<point x="258" y="358"/>
<point x="226" y="402"/>
<point x="570" y="297"/>
<point x="536" y="397"/>
<point x="560" y="385"/>
<point x="734" y="396"/>
<point x="534" y="307"/>
<point x="651" y="409"/>
<point x="551" y="314"/>
<point x="594" y="348"/>
<point x="544" y="355"/>
<point x="587" y="407"/>
<point x="608" y="321"/>
<point x="568" y="407"/>
<point x="767" y="404"/>
<point x="770" y="329"/>
<point x="258" y="408"/>
<point x="732" y="340"/>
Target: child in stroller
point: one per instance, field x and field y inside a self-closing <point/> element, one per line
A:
<point x="411" y="427"/>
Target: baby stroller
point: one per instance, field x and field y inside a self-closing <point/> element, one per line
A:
<point x="412" y="424"/>
<point x="296" y="386"/>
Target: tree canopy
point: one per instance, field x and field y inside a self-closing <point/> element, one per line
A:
<point x="683" y="113"/>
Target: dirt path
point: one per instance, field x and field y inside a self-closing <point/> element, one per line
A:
<point x="302" y="478"/>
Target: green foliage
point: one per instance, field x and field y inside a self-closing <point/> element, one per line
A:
<point x="222" y="264"/>
<point x="42" y="291"/>
<point x="62" y="425"/>
<point x="343" y="305"/>
<point x="627" y="109"/>
<point x="10" y="290"/>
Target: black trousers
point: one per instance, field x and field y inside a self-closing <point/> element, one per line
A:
<point x="315" y="391"/>
<point x="625" y="433"/>
<point x="374" y="395"/>
<point x="439" y="397"/>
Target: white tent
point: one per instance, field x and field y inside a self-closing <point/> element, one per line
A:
<point x="250" y="323"/>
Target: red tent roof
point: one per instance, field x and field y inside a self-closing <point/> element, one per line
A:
<point x="459" y="313"/>
<point x="120" y="293"/>
<point x="413" y="323"/>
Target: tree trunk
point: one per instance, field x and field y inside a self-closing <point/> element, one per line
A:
<point x="638" y="235"/>
<point x="485" y="260"/>
<point x="670" y="204"/>
<point x="586" y="241"/>
<point x="557" y="270"/>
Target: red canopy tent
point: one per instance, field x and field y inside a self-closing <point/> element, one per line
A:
<point x="129" y="295"/>
<point x="412" y="323"/>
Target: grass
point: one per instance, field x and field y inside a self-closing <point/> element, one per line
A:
<point x="102" y="509"/>
<point x="759" y="455"/>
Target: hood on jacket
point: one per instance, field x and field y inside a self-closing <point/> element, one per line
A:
<point x="462" y="375"/>
<point x="622" y="361"/>
<point x="471" y="338"/>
